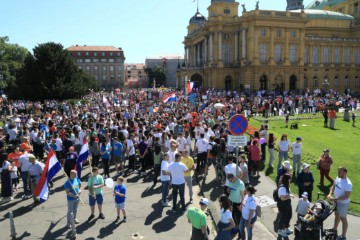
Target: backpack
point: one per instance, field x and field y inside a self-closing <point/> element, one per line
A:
<point x="214" y="149"/>
<point x="276" y="195"/>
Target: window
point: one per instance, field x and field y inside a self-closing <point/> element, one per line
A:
<point x="103" y="69"/>
<point x="262" y="53"/>
<point x="347" y="55"/>
<point x="292" y="56"/>
<point x="111" y="60"/>
<point x="112" y="77"/>
<point x="356" y="7"/>
<point x="111" y="68"/>
<point x="347" y="81"/>
<point x="357" y="81"/>
<point x="95" y="60"/>
<point x="278" y="32"/>
<point x="227" y="54"/>
<point x="357" y="56"/>
<point x="79" y="54"/>
<point x="111" y="54"/>
<point x="95" y="54"/>
<point x="326" y="55"/>
<point x="119" y="76"/>
<point x="226" y="11"/>
<point x="104" y="77"/>
<point x="336" y="55"/>
<point x="293" y="33"/>
<point x="315" y="56"/>
<point x="119" y="68"/>
<point x="263" y="32"/>
<point x="315" y="82"/>
<point x="277" y="53"/>
<point x="87" y="60"/>
<point x="87" y="54"/>
<point x="96" y="77"/>
<point x="336" y="81"/>
<point x="79" y="60"/>
<point x="306" y="56"/>
<point x="305" y="82"/>
<point x="103" y="60"/>
<point x="103" y="54"/>
<point x="87" y="68"/>
<point x="96" y="68"/>
<point x="118" y="54"/>
<point x="118" y="60"/>
<point x="80" y="67"/>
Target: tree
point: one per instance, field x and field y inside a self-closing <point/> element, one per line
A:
<point x="159" y="73"/>
<point x="11" y="61"/>
<point x="52" y="74"/>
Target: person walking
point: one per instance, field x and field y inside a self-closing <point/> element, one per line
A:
<point x="284" y="206"/>
<point x="24" y="164"/>
<point x="284" y="147"/>
<point x="340" y="193"/>
<point x="189" y="163"/>
<point x="177" y="170"/>
<point x="332" y="116"/>
<point x="95" y="184"/>
<point x="197" y="218"/>
<point x="201" y="148"/>
<point x="226" y="223"/>
<point x="120" y="197"/>
<point x="165" y="180"/>
<point x="255" y="157"/>
<point x="296" y="149"/>
<point x="305" y="181"/>
<point x="70" y="160"/>
<point x="158" y="157"/>
<point x="72" y="188"/>
<point x="325" y="163"/>
<point x="248" y="213"/>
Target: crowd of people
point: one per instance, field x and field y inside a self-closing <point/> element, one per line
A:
<point x="136" y="133"/>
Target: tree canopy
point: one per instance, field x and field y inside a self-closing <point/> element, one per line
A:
<point x="50" y="73"/>
<point x="159" y="73"/>
<point x="11" y="61"/>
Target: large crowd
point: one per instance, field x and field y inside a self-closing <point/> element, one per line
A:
<point x="139" y="133"/>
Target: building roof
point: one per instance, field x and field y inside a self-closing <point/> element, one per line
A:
<point x="94" y="48"/>
<point x="320" y="4"/>
<point x="322" y="14"/>
<point x="198" y="18"/>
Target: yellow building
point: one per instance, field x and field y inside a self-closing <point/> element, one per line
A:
<point x="261" y="49"/>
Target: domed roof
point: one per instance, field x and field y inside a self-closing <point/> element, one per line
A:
<point x="322" y="14"/>
<point x="198" y="18"/>
<point x="320" y="4"/>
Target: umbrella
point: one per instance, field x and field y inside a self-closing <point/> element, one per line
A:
<point x="219" y="105"/>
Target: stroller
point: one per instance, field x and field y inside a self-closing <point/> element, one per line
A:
<point x="314" y="230"/>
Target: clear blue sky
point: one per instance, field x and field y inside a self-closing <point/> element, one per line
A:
<point x="143" y="28"/>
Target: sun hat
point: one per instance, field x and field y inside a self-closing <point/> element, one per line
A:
<point x="305" y="165"/>
<point x="305" y="194"/>
<point x="298" y="139"/>
<point x="204" y="201"/>
<point x="287" y="165"/>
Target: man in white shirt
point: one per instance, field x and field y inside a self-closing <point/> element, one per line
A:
<point x="173" y="151"/>
<point x="341" y="189"/>
<point x="230" y="168"/>
<point x="198" y="130"/>
<point x="24" y="165"/>
<point x="130" y="151"/>
<point x="177" y="170"/>
<point x="201" y="147"/>
<point x="181" y="141"/>
<point x="296" y="149"/>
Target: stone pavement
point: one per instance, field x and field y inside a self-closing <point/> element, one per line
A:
<point x="146" y="219"/>
<point x="265" y="227"/>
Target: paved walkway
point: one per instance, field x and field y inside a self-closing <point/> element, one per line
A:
<point x="265" y="226"/>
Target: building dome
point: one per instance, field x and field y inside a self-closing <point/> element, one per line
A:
<point x="198" y="18"/>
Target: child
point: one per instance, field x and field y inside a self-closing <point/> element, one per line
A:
<point x="120" y="196"/>
<point x="303" y="205"/>
<point x="14" y="176"/>
<point x="312" y="215"/>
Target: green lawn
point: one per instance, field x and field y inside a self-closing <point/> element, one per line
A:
<point x="344" y="145"/>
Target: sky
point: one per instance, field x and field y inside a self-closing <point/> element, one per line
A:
<point x="143" y="28"/>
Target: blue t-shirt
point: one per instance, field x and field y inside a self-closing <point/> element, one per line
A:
<point x="120" y="189"/>
<point x="106" y="149"/>
<point x="75" y="185"/>
<point x="117" y="149"/>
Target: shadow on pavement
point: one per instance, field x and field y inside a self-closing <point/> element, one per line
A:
<point x="85" y="225"/>
<point x="276" y="222"/>
<point x="57" y="233"/>
<point x="19" y="211"/>
<point x="150" y="191"/>
<point x="167" y="223"/>
<point x="155" y="214"/>
<point x="108" y="230"/>
<point x="213" y="187"/>
<point x="269" y="171"/>
<point x="254" y="180"/>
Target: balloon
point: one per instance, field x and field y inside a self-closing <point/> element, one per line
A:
<point x="262" y="140"/>
<point x="109" y="183"/>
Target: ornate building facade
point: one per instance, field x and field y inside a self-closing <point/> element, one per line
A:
<point x="261" y="49"/>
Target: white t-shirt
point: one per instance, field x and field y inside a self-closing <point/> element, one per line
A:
<point x="250" y="204"/>
<point x="177" y="170"/>
<point x="202" y="145"/>
<point x="24" y="162"/>
<point x="296" y="148"/>
<point x="282" y="192"/>
<point x="226" y="216"/>
<point x="303" y="206"/>
<point x="130" y="147"/>
<point x="58" y="145"/>
<point x="198" y="131"/>
<point x="164" y="167"/>
<point x="342" y="186"/>
<point x="230" y="168"/>
<point x="182" y="143"/>
<point x="13" y="172"/>
<point x="172" y="155"/>
<point x="284" y="146"/>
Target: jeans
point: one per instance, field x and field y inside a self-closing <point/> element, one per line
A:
<point x="285" y="211"/>
<point x="272" y="157"/>
<point x="24" y="177"/>
<point x="106" y="166"/>
<point x="72" y="208"/>
<point x="178" y="188"/>
<point x="201" y="159"/>
<point x="132" y="162"/>
<point x="157" y="168"/>
<point x="188" y="180"/>
<point x="263" y="151"/>
<point x="249" y="230"/>
<point x="165" y="190"/>
<point x="95" y="160"/>
<point x="281" y="156"/>
<point x="296" y="163"/>
<point x="236" y="214"/>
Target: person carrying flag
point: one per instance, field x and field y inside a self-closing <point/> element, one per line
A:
<point x="35" y="171"/>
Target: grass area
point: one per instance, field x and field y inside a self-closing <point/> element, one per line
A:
<point x="343" y="144"/>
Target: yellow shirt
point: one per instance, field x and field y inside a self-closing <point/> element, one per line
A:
<point x="189" y="163"/>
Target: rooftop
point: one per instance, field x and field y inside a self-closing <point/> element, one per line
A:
<point x="320" y="4"/>
<point x="322" y="14"/>
<point x="94" y="48"/>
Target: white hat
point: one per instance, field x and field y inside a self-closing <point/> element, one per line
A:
<point x="287" y="165"/>
<point x="204" y="201"/>
<point x="305" y="165"/>
<point x="305" y="194"/>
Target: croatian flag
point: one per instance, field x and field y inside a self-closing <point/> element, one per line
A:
<point x="52" y="167"/>
<point x="83" y="156"/>
<point x="169" y="97"/>
<point x="189" y="86"/>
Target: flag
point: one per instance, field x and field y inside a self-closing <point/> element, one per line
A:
<point x="83" y="156"/>
<point x="52" y="167"/>
<point x="189" y="87"/>
<point x="106" y="101"/>
<point x="169" y="97"/>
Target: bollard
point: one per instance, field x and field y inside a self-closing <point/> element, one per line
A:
<point x="12" y="226"/>
<point x="72" y="223"/>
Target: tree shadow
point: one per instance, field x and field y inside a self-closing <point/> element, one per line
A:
<point x="167" y="223"/>
<point x="108" y="230"/>
<point x="155" y="214"/>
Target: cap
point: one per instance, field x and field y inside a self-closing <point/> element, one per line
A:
<point x="298" y="139"/>
<point x="305" y="165"/>
<point x="326" y="150"/>
<point x="204" y="201"/>
<point x="305" y="194"/>
<point x="287" y="165"/>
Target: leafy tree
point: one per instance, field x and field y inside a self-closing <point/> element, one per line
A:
<point x="159" y="73"/>
<point x="11" y="61"/>
<point x="52" y="74"/>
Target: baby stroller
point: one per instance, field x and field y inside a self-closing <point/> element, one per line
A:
<point x="314" y="230"/>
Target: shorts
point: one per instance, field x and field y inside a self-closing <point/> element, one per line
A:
<point x="117" y="159"/>
<point x="211" y="161"/>
<point x="342" y="209"/>
<point x="99" y="200"/>
<point x="120" y="205"/>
